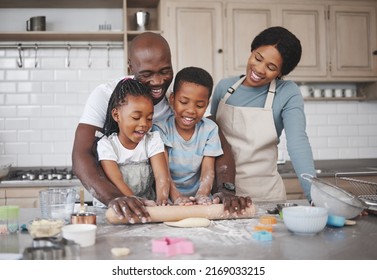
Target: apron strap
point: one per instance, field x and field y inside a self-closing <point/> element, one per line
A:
<point x="270" y="95"/>
<point x="233" y="87"/>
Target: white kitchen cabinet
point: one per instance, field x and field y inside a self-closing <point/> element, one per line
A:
<point x="244" y="21"/>
<point x="307" y="22"/>
<point x="353" y="31"/>
<point x="256" y="17"/>
<point x="194" y="30"/>
<point x="338" y="37"/>
<point x="2" y="197"/>
<point x="293" y="188"/>
<point x="23" y="197"/>
<point x="337" y="40"/>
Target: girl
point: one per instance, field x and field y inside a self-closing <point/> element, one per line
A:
<point x="131" y="156"/>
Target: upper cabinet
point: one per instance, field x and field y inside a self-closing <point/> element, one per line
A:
<point x="338" y="46"/>
<point x="194" y="30"/>
<point x="308" y="23"/>
<point x="338" y="37"/>
<point x="244" y="21"/>
<point x="353" y="40"/>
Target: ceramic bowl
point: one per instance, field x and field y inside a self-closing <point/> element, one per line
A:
<point x="305" y="219"/>
<point x="83" y="234"/>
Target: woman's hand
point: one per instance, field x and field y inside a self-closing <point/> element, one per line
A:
<point x="233" y="204"/>
<point x="130" y="207"/>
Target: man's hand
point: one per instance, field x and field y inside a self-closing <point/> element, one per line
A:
<point x="130" y="207"/>
<point x="233" y="204"/>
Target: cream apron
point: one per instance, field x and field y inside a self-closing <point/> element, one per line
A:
<point x="252" y="135"/>
<point x="138" y="176"/>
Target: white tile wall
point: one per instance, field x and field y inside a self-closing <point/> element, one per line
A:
<point x="40" y="108"/>
<point x="340" y="129"/>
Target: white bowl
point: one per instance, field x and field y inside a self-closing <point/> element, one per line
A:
<point x="83" y="234"/>
<point x="305" y="219"/>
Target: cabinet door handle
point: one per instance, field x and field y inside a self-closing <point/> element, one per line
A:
<point x="220" y="51"/>
<point x="375" y="52"/>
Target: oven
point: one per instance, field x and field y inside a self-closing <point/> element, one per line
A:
<point x="42" y="177"/>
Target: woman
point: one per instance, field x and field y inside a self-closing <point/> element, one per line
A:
<point x="253" y="110"/>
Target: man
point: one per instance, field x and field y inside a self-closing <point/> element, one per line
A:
<point x="150" y="63"/>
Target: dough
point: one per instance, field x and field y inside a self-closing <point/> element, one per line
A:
<point x="119" y="252"/>
<point x="190" y="223"/>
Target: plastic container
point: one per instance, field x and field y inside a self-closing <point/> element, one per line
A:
<point x="336" y="221"/>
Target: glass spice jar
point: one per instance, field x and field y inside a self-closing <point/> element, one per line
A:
<point x="13" y="212"/>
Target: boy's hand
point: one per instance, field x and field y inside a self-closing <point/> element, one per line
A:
<point x="184" y="201"/>
<point x="202" y="199"/>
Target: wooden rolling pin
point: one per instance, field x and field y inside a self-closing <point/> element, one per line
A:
<point x="176" y="213"/>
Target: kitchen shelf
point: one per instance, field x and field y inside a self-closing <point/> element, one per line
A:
<point x="123" y="34"/>
<point x="334" y="98"/>
<point x="62" y="36"/>
<point x="78" y="3"/>
<point x="62" y="3"/>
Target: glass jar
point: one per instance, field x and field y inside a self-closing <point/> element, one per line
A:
<point x="13" y="212"/>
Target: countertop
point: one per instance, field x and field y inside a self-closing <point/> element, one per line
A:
<point x="328" y="168"/>
<point x="324" y="168"/>
<point x="223" y="239"/>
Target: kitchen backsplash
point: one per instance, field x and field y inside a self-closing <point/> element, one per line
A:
<point x="40" y="109"/>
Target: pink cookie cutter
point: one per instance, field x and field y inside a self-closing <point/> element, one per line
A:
<point x="172" y="246"/>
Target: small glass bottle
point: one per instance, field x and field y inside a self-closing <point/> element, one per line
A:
<point x="13" y="214"/>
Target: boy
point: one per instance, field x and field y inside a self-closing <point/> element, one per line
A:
<point x="191" y="142"/>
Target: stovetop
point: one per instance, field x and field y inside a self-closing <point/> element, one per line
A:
<point x="40" y="177"/>
<point x="35" y="174"/>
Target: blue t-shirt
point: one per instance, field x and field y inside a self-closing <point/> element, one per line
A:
<point x="185" y="157"/>
<point x="288" y="114"/>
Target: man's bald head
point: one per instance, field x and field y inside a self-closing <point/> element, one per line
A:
<point x="148" y="40"/>
<point x="149" y="60"/>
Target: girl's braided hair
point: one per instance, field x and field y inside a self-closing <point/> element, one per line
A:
<point x="118" y="98"/>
